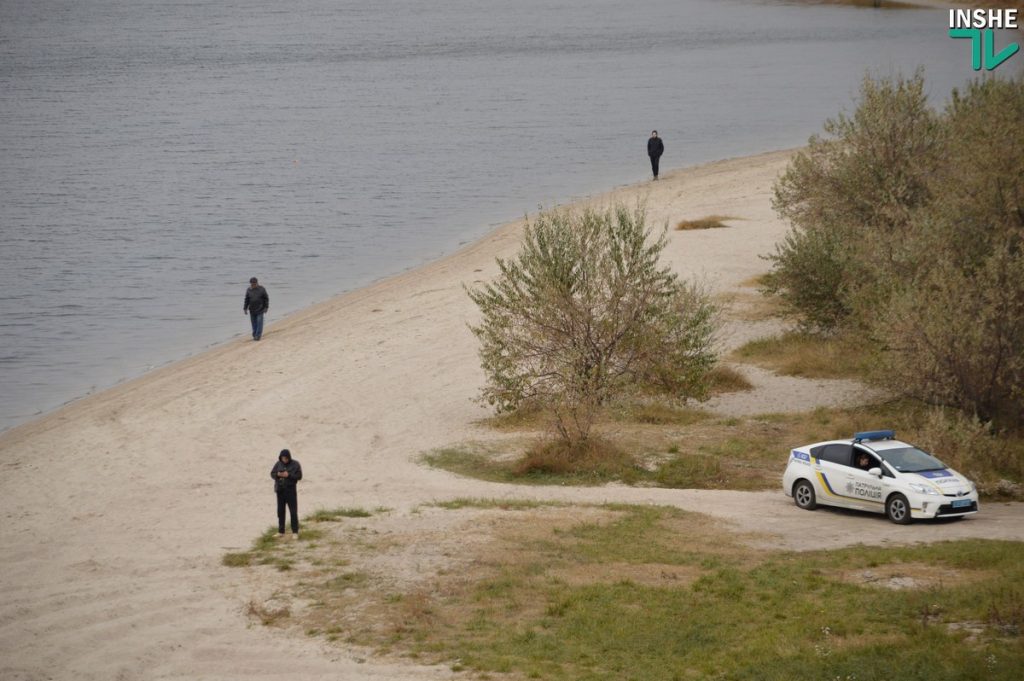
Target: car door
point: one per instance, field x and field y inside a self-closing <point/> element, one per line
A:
<point x="859" y="488"/>
<point x="832" y="467"/>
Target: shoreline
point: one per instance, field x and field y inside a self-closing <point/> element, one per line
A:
<point x="120" y="506"/>
<point x="356" y="293"/>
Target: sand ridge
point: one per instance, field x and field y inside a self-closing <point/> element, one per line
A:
<point x="118" y="507"/>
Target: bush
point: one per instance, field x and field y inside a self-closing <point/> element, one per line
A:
<point x="850" y="197"/>
<point x="586" y="312"/>
<point x="970" y="446"/>
<point x="956" y="338"/>
<point x="908" y="228"/>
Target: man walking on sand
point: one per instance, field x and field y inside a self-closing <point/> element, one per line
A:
<point x="286" y="473"/>
<point x="655" y="148"/>
<point x="257" y="302"/>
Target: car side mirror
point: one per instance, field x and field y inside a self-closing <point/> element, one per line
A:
<point x="876" y="471"/>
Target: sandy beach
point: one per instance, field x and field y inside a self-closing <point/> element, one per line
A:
<point x="119" y="507"/>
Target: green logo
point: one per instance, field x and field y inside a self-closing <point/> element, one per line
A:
<point x="983" y="47"/>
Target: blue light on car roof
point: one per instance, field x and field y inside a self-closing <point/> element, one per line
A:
<point x="875" y="435"/>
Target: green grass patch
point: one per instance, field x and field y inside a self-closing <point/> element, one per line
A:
<point x="471" y="461"/>
<point x="323" y="515"/>
<point x="707" y="222"/>
<point x="242" y="559"/>
<point x="657" y="594"/>
<point x="502" y="504"/>
<point x="807" y="355"/>
<point x="659" y="445"/>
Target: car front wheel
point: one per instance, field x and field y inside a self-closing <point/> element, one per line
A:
<point x="897" y="509"/>
<point x="803" y="495"/>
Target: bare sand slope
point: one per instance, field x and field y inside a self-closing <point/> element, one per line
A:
<point x="118" y="508"/>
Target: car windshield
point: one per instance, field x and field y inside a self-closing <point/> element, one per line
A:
<point x="910" y="460"/>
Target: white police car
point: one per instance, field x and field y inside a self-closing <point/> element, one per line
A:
<point x="876" y="472"/>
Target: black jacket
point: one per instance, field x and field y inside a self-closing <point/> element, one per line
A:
<point x="655" y="147"/>
<point x="294" y="475"/>
<point x="256" y="300"/>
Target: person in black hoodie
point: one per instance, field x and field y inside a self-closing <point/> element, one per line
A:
<point x="655" y="148"/>
<point x="257" y="302"/>
<point x="286" y="473"/>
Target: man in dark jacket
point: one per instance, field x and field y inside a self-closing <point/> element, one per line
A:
<point x="257" y="302"/>
<point x="655" y="148"/>
<point x="286" y="473"/>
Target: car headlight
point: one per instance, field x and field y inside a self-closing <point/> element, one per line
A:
<point x="923" y="489"/>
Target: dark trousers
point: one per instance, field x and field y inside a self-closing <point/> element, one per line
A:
<point x="654" y="164"/>
<point x="290" y="497"/>
<point x="257" y="324"/>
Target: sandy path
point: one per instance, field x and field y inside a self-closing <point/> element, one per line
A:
<point x="119" y="507"/>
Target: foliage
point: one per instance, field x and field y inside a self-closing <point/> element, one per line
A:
<point x="586" y="312"/>
<point x="689" y="449"/>
<point x="850" y="197"/>
<point x="908" y="228"/>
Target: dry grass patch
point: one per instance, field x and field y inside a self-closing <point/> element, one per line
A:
<point x="726" y="379"/>
<point x="808" y="356"/>
<point x="527" y="417"/>
<point x="595" y="458"/>
<point x="268" y="614"/>
<point x="746" y="306"/>
<point x="707" y="222"/>
<point x="757" y="281"/>
<point x="897" y="576"/>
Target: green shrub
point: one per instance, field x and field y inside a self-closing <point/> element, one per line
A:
<point x="908" y="228"/>
<point x="849" y="198"/>
<point x="587" y="312"/>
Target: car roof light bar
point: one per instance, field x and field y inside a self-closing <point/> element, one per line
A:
<point x="874" y="435"/>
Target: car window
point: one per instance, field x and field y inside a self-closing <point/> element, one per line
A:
<point x="872" y="460"/>
<point x="911" y="460"/>
<point x="836" y="453"/>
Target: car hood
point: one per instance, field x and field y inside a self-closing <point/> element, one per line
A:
<point x="946" y="479"/>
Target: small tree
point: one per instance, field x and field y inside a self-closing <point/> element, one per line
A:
<point x="586" y="312"/>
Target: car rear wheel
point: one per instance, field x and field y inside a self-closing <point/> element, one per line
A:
<point x="803" y="495"/>
<point x="897" y="509"/>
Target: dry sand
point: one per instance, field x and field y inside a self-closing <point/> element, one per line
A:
<point x="118" y="508"/>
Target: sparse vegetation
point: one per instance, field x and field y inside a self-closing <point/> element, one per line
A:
<point x="659" y="594"/>
<point x="709" y="222"/>
<point x="331" y="515"/>
<point x="241" y="559"/>
<point x="661" y="446"/>
<point x="809" y="355"/>
<point x="727" y="379"/>
<point x="268" y="615"/>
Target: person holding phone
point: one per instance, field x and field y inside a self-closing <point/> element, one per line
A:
<point x="286" y="474"/>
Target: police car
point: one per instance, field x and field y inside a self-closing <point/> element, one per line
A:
<point x="876" y="472"/>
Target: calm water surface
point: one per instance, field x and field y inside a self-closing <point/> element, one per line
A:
<point x="155" y="154"/>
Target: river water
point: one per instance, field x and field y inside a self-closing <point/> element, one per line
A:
<point x="156" y="154"/>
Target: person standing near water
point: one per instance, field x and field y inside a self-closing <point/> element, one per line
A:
<point x="257" y="302"/>
<point x="286" y="473"/>
<point x="655" y="148"/>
